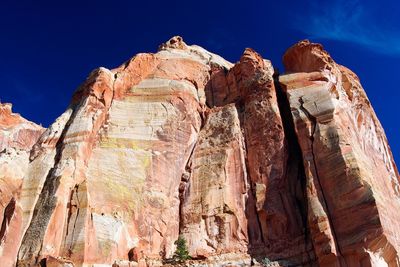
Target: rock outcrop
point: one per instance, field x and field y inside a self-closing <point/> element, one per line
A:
<point x="249" y="166"/>
<point x="352" y="181"/>
<point x="17" y="136"/>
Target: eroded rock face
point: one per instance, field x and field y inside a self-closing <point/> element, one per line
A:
<point x="246" y="164"/>
<point x="215" y="187"/>
<point x="352" y="181"/>
<point x="17" y="136"/>
<point x="15" y="131"/>
<point x="273" y="208"/>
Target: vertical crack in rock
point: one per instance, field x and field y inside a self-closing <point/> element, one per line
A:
<point x="214" y="219"/>
<point x="69" y="214"/>
<point x="112" y="93"/>
<point x="275" y="223"/>
<point x="295" y="155"/>
<point x="8" y="214"/>
<point x="75" y="191"/>
<point x="251" y="209"/>
<point x="32" y="242"/>
<point x="313" y="121"/>
<point x="187" y="172"/>
<point x="185" y="183"/>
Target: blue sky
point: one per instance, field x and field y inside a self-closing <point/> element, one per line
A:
<point x="353" y="21"/>
<point x="47" y="48"/>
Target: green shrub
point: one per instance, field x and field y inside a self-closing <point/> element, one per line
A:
<point x="181" y="253"/>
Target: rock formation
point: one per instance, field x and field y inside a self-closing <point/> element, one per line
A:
<point x="17" y="136"/>
<point x="246" y="164"/>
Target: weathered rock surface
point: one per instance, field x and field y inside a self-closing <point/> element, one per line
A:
<point x="248" y="165"/>
<point x="17" y="136"/>
<point x="15" y="131"/>
<point x="352" y="181"/>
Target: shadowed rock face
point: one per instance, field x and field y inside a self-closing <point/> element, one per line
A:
<point x="241" y="161"/>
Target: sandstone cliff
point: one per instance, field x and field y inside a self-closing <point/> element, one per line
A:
<point x="245" y="163"/>
<point x="17" y="136"/>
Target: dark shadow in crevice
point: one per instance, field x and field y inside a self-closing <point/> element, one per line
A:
<point x="7" y="216"/>
<point x="45" y="205"/>
<point x="295" y="156"/>
<point x="294" y="166"/>
<point x="250" y="206"/>
<point x="43" y="262"/>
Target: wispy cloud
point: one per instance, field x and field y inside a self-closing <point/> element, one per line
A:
<point x="349" y="21"/>
<point x="28" y="94"/>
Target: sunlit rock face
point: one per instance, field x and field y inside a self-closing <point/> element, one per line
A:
<point x="17" y="136"/>
<point x="352" y="181"/>
<point x="244" y="163"/>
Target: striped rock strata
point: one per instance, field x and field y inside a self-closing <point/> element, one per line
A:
<point x="244" y="163"/>
<point x="352" y="181"/>
<point x="17" y="136"/>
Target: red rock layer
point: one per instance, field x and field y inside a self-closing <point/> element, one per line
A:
<point x="15" y="131"/>
<point x="274" y="215"/>
<point x="352" y="182"/>
<point x="215" y="187"/>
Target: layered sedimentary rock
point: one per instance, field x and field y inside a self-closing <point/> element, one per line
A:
<point x="17" y="136"/>
<point x="352" y="181"/>
<point x="215" y="187"/>
<point x="15" y="131"/>
<point x="274" y="210"/>
<point x="244" y="163"/>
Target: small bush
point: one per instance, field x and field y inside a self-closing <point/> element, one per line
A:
<point x="181" y="253"/>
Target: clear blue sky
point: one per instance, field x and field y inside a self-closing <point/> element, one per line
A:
<point x="47" y="49"/>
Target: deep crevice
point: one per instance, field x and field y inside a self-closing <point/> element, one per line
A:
<point x="240" y="107"/>
<point x="46" y="203"/>
<point x="43" y="262"/>
<point x="7" y="216"/>
<point x="69" y="213"/>
<point x="76" y="219"/>
<point x="184" y="185"/>
<point x="294" y="155"/>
